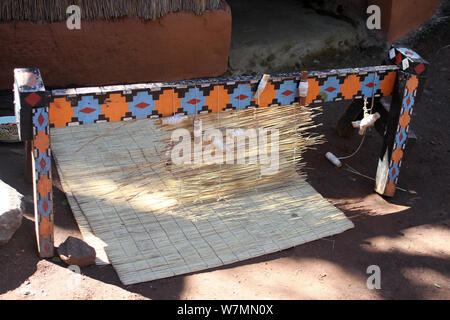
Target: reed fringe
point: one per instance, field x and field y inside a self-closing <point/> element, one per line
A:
<point x="55" y="10"/>
<point x="188" y="184"/>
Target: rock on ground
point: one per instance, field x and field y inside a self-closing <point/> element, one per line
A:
<point x="75" y="251"/>
<point x="12" y="206"/>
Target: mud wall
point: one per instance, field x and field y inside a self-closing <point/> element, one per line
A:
<point x="178" y="46"/>
<point x="399" y="17"/>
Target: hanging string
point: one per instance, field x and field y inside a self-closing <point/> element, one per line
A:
<point x="373" y="91"/>
<point x="173" y="101"/>
<point x="180" y="182"/>
<point x="220" y="165"/>
<point x="296" y="136"/>
<point x="366" y="113"/>
<point x="170" y="147"/>
<point x="356" y="151"/>
<point x="201" y="141"/>
<point x="257" y="126"/>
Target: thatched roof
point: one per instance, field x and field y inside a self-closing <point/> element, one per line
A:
<point x="55" y="10"/>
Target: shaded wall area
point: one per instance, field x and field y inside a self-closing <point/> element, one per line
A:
<point x="178" y="46"/>
<point x="399" y="17"/>
<point x="288" y="35"/>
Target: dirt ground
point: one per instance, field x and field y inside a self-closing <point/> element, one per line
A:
<point x="407" y="236"/>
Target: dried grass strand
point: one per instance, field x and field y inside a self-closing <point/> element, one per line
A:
<point x="55" y="10"/>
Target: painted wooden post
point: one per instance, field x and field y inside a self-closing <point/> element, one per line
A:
<point x="31" y="107"/>
<point x="407" y="91"/>
<point x="303" y="88"/>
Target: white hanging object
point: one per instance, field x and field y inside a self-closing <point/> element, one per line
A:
<point x="367" y="121"/>
<point x="303" y="88"/>
<point x="333" y="159"/>
<point x="262" y="85"/>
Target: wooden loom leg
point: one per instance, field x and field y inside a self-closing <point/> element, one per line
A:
<point x="42" y="182"/>
<point x="396" y="133"/>
<point x="31" y="105"/>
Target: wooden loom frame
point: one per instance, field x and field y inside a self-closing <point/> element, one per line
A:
<point x="37" y="110"/>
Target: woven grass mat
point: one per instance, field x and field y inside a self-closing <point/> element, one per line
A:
<point x="115" y="217"/>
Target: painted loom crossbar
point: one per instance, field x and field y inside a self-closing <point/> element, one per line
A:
<point x="38" y="110"/>
<point x="123" y="102"/>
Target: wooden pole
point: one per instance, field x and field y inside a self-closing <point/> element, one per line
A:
<point x="409" y="84"/>
<point x="303" y="90"/>
<point x="31" y="107"/>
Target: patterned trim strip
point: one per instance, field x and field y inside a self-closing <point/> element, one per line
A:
<point x="118" y="103"/>
<point x="42" y="181"/>
<point x="32" y="115"/>
<point x="401" y="134"/>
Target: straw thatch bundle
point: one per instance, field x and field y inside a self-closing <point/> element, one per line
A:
<point x="188" y="184"/>
<point x="55" y="10"/>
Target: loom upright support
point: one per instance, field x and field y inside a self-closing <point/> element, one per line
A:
<point x="32" y="116"/>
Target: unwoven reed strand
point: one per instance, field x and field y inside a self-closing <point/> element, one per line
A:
<point x="55" y="10"/>
<point x="201" y="181"/>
